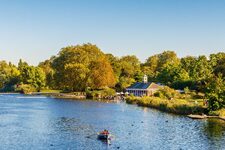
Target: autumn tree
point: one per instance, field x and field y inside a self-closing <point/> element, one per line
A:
<point x="74" y="65"/>
<point x="101" y="74"/>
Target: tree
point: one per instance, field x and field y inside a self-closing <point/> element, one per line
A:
<point x="46" y="66"/>
<point x="172" y="74"/>
<point x="31" y="75"/>
<point x="216" y="93"/>
<point x="115" y="63"/>
<point x="199" y="70"/>
<point x="101" y="74"/>
<point x="77" y="65"/>
<point x="130" y="71"/>
<point x="150" y="67"/>
<point x="202" y="69"/>
<point x="220" y="67"/>
<point x="129" y="65"/>
<point x="188" y="64"/>
<point x="215" y="58"/>
<point x="167" y="58"/>
<point x="75" y="77"/>
<point x="157" y="65"/>
<point x="9" y="75"/>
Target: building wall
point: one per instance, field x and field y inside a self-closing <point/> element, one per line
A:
<point x="142" y="92"/>
<point x="137" y="92"/>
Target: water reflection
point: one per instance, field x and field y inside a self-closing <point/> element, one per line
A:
<point x="214" y="129"/>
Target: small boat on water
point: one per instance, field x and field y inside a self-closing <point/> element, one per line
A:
<point x="104" y="135"/>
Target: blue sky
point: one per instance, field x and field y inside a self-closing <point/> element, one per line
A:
<point x="36" y="30"/>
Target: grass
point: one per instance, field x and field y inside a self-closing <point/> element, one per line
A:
<point x="220" y="113"/>
<point x="50" y="91"/>
<point x="176" y="106"/>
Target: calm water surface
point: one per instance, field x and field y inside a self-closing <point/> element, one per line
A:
<point x="47" y="123"/>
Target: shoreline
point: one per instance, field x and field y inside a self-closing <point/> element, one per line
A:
<point x="189" y="110"/>
<point x="59" y="95"/>
<point x="70" y="96"/>
<point x="7" y="93"/>
<point x="205" y="117"/>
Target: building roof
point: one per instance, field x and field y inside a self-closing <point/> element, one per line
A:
<point x="140" y="85"/>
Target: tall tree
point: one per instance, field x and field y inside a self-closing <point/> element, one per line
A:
<point x="9" y="74"/>
<point x="31" y="75"/>
<point x="216" y="92"/>
<point x="76" y="62"/>
<point x="46" y="66"/>
<point x="101" y="74"/>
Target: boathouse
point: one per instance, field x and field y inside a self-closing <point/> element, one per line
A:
<point x="144" y="88"/>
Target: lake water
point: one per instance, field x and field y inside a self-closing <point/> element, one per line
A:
<point x="47" y="123"/>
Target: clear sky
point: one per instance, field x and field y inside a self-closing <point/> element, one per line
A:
<point x="34" y="30"/>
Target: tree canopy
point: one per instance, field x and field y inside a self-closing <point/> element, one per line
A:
<point x="82" y="67"/>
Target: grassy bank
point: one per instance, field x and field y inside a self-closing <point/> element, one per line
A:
<point x="220" y="113"/>
<point x="176" y="106"/>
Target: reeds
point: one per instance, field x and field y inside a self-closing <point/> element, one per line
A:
<point x="176" y="106"/>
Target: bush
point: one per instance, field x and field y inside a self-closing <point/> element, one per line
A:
<point x="26" y="88"/>
<point x="220" y="113"/>
<point x="167" y="93"/>
<point x="105" y="93"/>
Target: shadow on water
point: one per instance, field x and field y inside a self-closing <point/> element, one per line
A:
<point x="214" y="129"/>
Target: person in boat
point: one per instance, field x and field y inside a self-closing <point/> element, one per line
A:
<point x="105" y="132"/>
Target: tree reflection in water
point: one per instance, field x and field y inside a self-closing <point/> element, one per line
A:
<point x="215" y="129"/>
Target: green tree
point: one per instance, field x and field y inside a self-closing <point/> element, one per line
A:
<point x="167" y="58"/>
<point x="157" y="65"/>
<point x="75" y="77"/>
<point x="150" y="67"/>
<point x="46" y="66"/>
<point x="9" y="75"/>
<point x="31" y="75"/>
<point x="220" y="67"/>
<point x="130" y="71"/>
<point x="215" y="58"/>
<point x="216" y="93"/>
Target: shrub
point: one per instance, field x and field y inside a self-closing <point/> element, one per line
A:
<point x="103" y="93"/>
<point x="167" y="93"/>
<point x="220" y="113"/>
<point x="26" y="88"/>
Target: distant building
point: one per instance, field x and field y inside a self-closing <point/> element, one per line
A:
<point x="144" y="88"/>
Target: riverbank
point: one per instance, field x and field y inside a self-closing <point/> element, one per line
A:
<point x="175" y="106"/>
<point x="62" y="95"/>
<point x="76" y="96"/>
<point x="205" y="117"/>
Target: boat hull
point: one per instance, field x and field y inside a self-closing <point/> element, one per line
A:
<point x="103" y="137"/>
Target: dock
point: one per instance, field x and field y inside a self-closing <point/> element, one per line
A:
<point x="197" y="116"/>
<point x="205" y="117"/>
